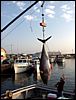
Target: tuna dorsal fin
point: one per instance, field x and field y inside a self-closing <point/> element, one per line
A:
<point x="43" y="41"/>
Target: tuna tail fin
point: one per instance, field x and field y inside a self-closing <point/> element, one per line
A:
<point x="43" y="41"/>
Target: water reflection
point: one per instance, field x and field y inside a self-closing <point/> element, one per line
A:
<point x="24" y="78"/>
<point x="4" y="77"/>
<point x="61" y="65"/>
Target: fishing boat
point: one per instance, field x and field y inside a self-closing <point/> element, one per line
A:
<point x="5" y="66"/>
<point x="21" y="65"/>
<point x="35" y="91"/>
<point x="52" y="59"/>
<point x="60" y="59"/>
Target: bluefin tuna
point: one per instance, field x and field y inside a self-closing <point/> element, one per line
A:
<point x="45" y="69"/>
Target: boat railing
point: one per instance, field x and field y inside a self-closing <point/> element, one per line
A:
<point x="21" y="89"/>
<point x="37" y="86"/>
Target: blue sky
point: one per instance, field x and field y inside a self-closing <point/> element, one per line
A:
<point x="23" y="33"/>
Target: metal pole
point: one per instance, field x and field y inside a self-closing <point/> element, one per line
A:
<point x="18" y="16"/>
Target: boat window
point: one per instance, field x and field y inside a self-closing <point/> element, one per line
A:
<point x="20" y="61"/>
<point x="5" y="62"/>
<point x="24" y="60"/>
<point x="16" y="60"/>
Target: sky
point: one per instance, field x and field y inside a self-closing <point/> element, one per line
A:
<point x="21" y="36"/>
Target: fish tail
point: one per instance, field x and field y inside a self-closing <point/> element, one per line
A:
<point x="43" y="41"/>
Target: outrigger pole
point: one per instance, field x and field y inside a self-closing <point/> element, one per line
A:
<point x="18" y="16"/>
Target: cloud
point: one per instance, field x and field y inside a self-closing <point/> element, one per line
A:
<point x="20" y="4"/>
<point x="50" y="7"/>
<point x="65" y="7"/>
<point x="50" y="15"/>
<point x="68" y="17"/>
<point x="49" y="12"/>
<point x="52" y="2"/>
<point x="36" y="9"/>
<point x="29" y="17"/>
<point x="40" y="2"/>
<point x="13" y="1"/>
<point x="67" y="13"/>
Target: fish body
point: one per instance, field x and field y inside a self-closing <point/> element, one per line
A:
<point x="45" y="69"/>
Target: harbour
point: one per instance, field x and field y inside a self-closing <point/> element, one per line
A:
<point x="14" y="81"/>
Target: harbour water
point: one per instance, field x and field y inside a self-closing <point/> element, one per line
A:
<point x="14" y="81"/>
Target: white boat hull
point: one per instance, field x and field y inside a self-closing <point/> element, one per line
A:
<point x="61" y="60"/>
<point x="18" y="68"/>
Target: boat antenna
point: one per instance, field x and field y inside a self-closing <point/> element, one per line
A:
<point x="42" y="23"/>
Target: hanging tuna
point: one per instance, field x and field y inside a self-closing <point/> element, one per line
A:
<point x="45" y="68"/>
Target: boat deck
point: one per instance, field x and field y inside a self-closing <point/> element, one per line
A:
<point x="35" y="92"/>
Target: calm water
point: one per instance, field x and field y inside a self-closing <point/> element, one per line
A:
<point x="14" y="81"/>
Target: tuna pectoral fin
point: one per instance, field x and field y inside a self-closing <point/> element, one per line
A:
<point x="44" y="39"/>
